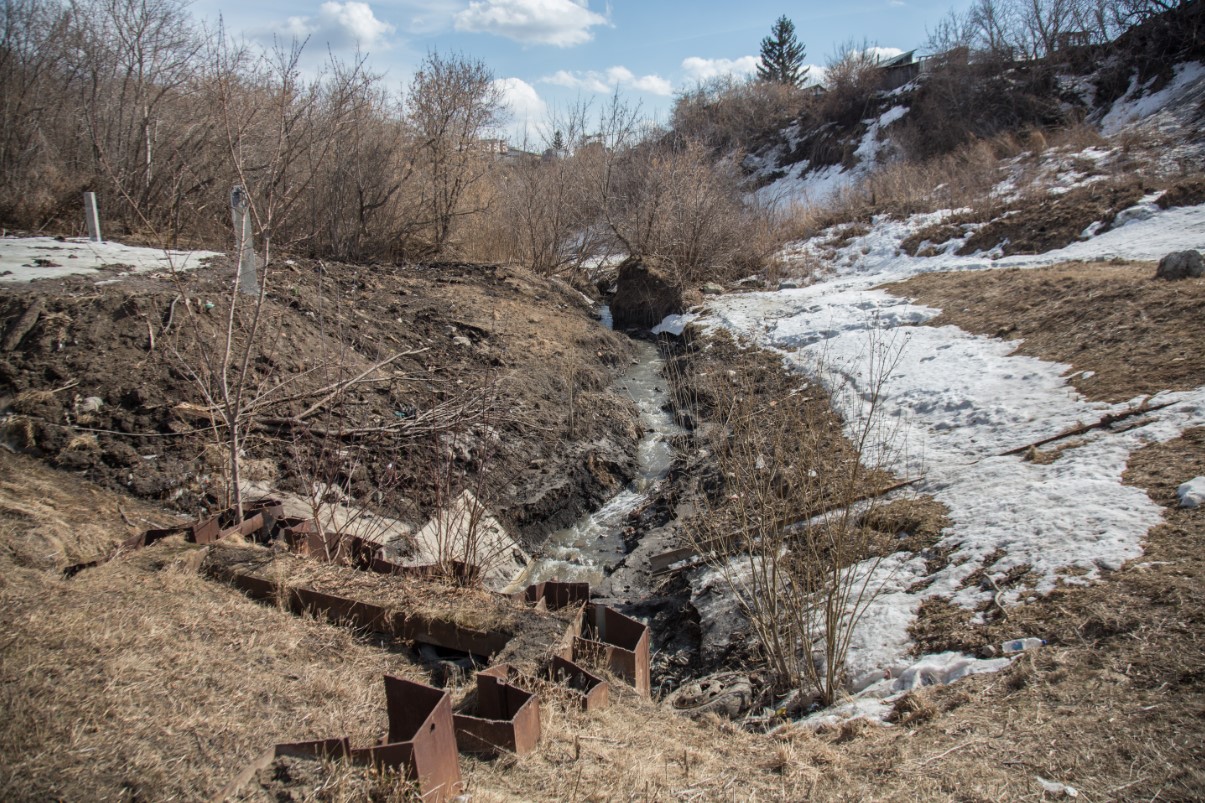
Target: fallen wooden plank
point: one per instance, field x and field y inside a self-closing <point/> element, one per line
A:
<point x="1108" y="420"/>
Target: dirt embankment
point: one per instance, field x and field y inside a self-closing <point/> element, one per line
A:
<point x="1124" y="332"/>
<point x="487" y="377"/>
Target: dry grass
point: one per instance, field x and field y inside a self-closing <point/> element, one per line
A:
<point x="472" y="608"/>
<point x="635" y="750"/>
<point x="51" y="520"/>
<point x="138" y="679"/>
<point x="910" y="523"/>
<point x="1136" y="334"/>
<point x="132" y="683"/>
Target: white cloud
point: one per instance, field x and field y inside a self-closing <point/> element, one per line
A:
<point x="527" y="109"/>
<point x="349" y="24"/>
<point x="563" y="23"/>
<point x="608" y="80"/>
<point x="701" y="69"/>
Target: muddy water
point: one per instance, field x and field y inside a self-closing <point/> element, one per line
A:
<point x="594" y="544"/>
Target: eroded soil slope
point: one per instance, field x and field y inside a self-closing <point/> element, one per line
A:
<point x="488" y="377"/>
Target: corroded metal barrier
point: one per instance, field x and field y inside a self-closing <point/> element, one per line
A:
<point x="424" y="734"/>
<point x="421" y="744"/>
<point x="506" y="717"/>
<point x="621" y="642"/>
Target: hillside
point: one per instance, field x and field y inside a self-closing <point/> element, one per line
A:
<point x="907" y="409"/>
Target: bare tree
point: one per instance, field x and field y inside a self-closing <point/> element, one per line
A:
<point x="452" y="103"/>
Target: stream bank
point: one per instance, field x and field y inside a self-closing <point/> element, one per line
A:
<point x="592" y="547"/>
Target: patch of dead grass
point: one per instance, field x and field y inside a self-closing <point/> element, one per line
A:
<point x="138" y="679"/>
<point x="1135" y="334"/>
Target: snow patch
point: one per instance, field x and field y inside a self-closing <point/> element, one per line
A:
<point x="1192" y="493"/>
<point x="24" y="259"/>
<point x="956" y="402"/>
<point x="674" y="324"/>
<point x="1136" y="105"/>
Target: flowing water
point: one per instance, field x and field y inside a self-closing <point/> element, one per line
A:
<point x="585" y="551"/>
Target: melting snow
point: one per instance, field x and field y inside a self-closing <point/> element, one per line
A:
<point x="962" y="400"/>
<point x="23" y="259"/>
<point x="1135" y="106"/>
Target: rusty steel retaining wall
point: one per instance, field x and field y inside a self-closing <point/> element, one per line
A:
<point x="506" y="718"/>
<point x="621" y="641"/>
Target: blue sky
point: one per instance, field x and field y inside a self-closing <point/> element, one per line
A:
<point x="550" y="53"/>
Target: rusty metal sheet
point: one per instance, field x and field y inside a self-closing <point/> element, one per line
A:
<point x="556" y="594"/>
<point x="321" y="748"/>
<point x="448" y="634"/>
<point x="331" y="546"/>
<point x="254" y="587"/>
<point x="259" y="519"/>
<point x="339" y="609"/>
<point x="661" y="563"/>
<point x="422" y="716"/>
<point x="399" y="756"/>
<point x="593" y="691"/>
<point x="573" y="631"/>
<point x="506" y="717"/>
<point x="624" y="642"/>
<point x="206" y="532"/>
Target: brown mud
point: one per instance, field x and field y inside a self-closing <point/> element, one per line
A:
<point x="109" y="382"/>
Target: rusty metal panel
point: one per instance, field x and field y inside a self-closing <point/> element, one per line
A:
<point x="661" y="563"/>
<point x="448" y="634"/>
<point x="254" y="587"/>
<point x="339" y="609"/>
<point x="206" y="532"/>
<point x="271" y="510"/>
<point x="398" y="756"/>
<point x="217" y="527"/>
<point x="556" y="594"/>
<point x="593" y="691"/>
<point x="625" y="644"/>
<point x="422" y="716"/>
<point x="320" y="749"/>
<point x="564" y="647"/>
<point x="332" y="546"/>
<point x="506" y="718"/>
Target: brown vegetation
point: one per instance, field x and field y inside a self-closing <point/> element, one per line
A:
<point x="1135" y="334"/>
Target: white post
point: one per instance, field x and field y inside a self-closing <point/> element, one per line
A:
<point x="91" y="217"/>
<point x="244" y="245"/>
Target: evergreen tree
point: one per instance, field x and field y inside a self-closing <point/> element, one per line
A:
<point x="782" y="55"/>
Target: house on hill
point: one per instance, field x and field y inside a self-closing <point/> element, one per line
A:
<point x="898" y="71"/>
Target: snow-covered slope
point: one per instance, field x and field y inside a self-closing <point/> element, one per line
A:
<point x="804" y="185"/>
<point x="963" y="400"/>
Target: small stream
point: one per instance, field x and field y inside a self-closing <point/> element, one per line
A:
<point x="585" y="551"/>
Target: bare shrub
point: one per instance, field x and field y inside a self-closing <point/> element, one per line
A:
<point x="672" y="199"/>
<point x="852" y="77"/>
<point x="727" y="114"/>
<point x="546" y="215"/>
<point x="788" y="529"/>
